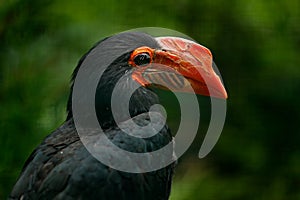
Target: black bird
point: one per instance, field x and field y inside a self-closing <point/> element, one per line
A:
<point x="62" y="168"/>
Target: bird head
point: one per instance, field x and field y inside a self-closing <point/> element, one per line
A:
<point x="172" y="63"/>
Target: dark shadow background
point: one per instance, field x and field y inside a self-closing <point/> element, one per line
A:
<point x="256" y="45"/>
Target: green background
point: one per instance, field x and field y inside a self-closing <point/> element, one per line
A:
<point x="255" y="43"/>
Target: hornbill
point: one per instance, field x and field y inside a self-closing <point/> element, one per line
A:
<point x="62" y="168"/>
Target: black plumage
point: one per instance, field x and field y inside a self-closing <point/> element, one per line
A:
<point x="61" y="167"/>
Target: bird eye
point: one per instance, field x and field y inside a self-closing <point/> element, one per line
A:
<point x="142" y="59"/>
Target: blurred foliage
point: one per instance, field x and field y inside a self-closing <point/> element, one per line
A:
<point x="255" y="43"/>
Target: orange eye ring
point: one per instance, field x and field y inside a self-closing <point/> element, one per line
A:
<point x="141" y="57"/>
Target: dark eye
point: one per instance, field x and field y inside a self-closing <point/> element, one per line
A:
<point x="142" y="59"/>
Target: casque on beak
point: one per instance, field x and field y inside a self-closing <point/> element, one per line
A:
<point x="180" y="65"/>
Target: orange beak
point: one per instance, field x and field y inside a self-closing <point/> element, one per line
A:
<point x="181" y="66"/>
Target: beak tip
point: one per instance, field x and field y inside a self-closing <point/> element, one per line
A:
<point x="225" y="96"/>
<point x="220" y="95"/>
<point x="224" y="93"/>
<point x="218" y="88"/>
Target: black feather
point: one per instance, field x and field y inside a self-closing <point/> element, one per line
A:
<point x="61" y="167"/>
